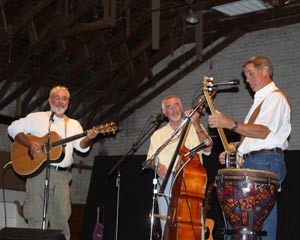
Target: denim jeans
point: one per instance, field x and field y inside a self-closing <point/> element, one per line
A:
<point x="271" y="162"/>
<point x="163" y="202"/>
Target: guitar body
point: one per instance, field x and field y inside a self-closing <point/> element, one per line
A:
<point x="26" y="164"/>
<point x="209" y="226"/>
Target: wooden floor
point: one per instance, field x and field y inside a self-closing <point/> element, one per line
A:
<point x="76" y="221"/>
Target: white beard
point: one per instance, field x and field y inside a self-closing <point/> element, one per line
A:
<point x="58" y="110"/>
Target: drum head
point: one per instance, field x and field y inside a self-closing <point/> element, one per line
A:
<point x="257" y="176"/>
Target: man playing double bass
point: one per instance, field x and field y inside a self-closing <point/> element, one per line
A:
<point x="172" y="108"/>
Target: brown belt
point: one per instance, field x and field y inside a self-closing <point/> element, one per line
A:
<point x="274" y="150"/>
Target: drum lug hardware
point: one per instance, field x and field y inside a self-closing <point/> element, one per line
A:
<point x="222" y="178"/>
<point x="245" y="184"/>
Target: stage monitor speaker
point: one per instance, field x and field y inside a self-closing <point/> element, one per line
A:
<point x="31" y="234"/>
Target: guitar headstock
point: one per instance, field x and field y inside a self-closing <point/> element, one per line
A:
<point x="208" y="84"/>
<point x="107" y="128"/>
<point x="208" y="87"/>
<point x="208" y="90"/>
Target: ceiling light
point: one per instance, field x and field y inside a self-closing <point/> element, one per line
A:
<point x="192" y="18"/>
<point x="242" y="7"/>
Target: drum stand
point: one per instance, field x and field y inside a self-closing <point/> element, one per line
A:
<point x="246" y="233"/>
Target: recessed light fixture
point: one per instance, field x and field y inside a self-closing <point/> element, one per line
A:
<point x="242" y="7"/>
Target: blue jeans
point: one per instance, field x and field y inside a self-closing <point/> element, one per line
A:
<point x="271" y="162"/>
<point x="163" y="203"/>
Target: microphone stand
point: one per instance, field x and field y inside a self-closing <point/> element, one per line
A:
<point x="117" y="167"/>
<point x="46" y="185"/>
<point x="155" y="180"/>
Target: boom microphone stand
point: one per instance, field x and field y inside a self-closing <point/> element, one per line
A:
<point x="117" y="167"/>
<point x="46" y="186"/>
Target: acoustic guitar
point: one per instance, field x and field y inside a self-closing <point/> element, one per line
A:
<point x="25" y="163"/>
<point x="230" y="149"/>
<point x="209" y="223"/>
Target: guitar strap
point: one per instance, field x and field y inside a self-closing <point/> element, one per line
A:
<point x="257" y="110"/>
<point x="252" y="118"/>
<point x="66" y="121"/>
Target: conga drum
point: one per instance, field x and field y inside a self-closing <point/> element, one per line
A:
<point x="246" y="197"/>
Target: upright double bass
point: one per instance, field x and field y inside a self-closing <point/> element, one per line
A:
<point x="185" y="213"/>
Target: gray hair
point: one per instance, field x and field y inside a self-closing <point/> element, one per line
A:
<point x="163" y="106"/>
<point x="57" y="88"/>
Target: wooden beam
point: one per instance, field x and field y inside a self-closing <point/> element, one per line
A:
<point x="155" y="23"/>
<point x="199" y="35"/>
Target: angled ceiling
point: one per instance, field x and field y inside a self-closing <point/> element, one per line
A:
<point x="105" y="50"/>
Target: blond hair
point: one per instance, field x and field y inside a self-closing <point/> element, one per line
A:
<point x="260" y="62"/>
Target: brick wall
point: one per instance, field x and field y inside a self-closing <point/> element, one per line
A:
<point x="281" y="45"/>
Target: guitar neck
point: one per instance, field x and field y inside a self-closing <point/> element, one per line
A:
<point x="68" y="139"/>
<point x="228" y="147"/>
<point x="102" y="129"/>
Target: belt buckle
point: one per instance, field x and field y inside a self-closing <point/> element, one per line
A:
<point x="246" y="155"/>
<point x="240" y="160"/>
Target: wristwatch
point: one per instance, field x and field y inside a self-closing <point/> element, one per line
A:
<point x="234" y="126"/>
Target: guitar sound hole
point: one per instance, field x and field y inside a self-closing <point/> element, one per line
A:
<point x="30" y="155"/>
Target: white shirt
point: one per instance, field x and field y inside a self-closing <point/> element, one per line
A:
<point x="275" y="113"/>
<point x="161" y="135"/>
<point x="37" y="124"/>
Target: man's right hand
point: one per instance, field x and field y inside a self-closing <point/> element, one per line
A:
<point x="161" y="171"/>
<point x="222" y="157"/>
<point x="35" y="147"/>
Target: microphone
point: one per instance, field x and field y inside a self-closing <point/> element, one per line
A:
<point x="159" y="118"/>
<point x="51" y="117"/>
<point x="146" y="164"/>
<point x="205" y="143"/>
<point x="233" y="82"/>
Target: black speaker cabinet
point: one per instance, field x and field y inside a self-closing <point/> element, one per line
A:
<point x="31" y="234"/>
